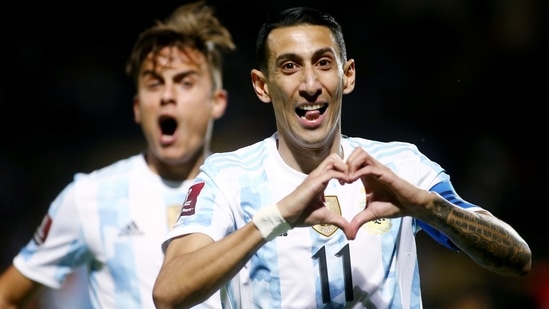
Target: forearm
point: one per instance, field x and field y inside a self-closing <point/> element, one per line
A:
<point x="187" y="279"/>
<point x="16" y="290"/>
<point x="490" y="242"/>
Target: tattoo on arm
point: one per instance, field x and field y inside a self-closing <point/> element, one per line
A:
<point x="486" y="239"/>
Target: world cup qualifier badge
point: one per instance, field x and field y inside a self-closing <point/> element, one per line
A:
<point x="332" y="203"/>
<point x="43" y="230"/>
<point x="190" y="201"/>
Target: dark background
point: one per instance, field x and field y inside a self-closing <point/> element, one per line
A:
<point x="465" y="80"/>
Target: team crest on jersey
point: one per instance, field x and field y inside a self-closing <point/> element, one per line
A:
<point x="332" y="203"/>
<point x="190" y="202"/>
<point x="378" y="226"/>
<point x="173" y="214"/>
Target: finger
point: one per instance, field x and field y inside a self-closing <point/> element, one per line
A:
<point x="356" y="163"/>
<point x="333" y="168"/>
<point x="362" y="217"/>
<point x="338" y="221"/>
<point x="336" y="163"/>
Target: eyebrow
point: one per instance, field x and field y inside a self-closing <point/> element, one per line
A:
<point x="316" y="54"/>
<point x="177" y="76"/>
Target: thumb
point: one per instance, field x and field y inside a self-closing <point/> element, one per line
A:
<point x="356" y="223"/>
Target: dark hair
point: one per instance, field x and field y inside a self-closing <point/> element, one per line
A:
<point x="191" y="25"/>
<point x="293" y="17"/>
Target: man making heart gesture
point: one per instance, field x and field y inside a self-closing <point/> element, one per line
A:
<point x="311" y="218"/>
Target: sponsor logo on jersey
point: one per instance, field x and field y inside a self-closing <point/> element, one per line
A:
<point x="190" y="202"/>
<point x="42" y="231"/>
<point x="378" y="226"/>
<point x="332" y="203"/>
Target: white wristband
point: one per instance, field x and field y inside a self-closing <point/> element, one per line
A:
<point x="270" y="222"/>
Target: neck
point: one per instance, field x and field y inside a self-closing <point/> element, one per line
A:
<point x="306" y="159"/>
<point x="176" y="170"/>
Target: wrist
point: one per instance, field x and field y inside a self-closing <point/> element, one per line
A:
<point x="270" y="222"/>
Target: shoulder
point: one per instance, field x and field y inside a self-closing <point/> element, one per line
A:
<point x="404" y="158"/>
<point x="381" y="150"/>
<point x="245" y="157"/>
<point x="115" y="170"/>
<point x="114" y="178"/>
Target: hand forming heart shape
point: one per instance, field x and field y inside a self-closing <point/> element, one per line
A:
<point x="387" y="194"/>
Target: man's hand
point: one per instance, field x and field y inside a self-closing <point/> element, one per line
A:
<point x="305" y="205"/>
<point x="387" y="195"/>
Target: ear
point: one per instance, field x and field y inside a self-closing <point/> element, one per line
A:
<point x="349" y="76"/>
<point x="260" y="86"/>
<point x="219" y="103"/>
<point x="136" y="110"/>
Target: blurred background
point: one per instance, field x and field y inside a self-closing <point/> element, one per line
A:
<point x="465" y="80"/>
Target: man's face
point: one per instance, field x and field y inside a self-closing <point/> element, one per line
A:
<point x="306" y="83"/>
<point x="176" y="103"/>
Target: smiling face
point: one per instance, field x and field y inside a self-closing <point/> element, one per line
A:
<point x="176" y="105"/>
<point x="305" y="82"/>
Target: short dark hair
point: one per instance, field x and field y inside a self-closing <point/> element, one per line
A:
<point x="292" y="17"/>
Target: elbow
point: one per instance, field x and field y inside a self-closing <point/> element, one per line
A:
<point x="160" y="300"/>
<point x="526" y="264"/>
<point x="520" y="264"/>
<point x="525" y="270"/>
<point x="512" y="262"/>
<point x="164" y="297"/>
<point x="521" y="270"/>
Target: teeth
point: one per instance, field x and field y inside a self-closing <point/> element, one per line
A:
<point x="310" y="107"/>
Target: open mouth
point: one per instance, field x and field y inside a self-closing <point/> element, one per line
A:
<point x="302" y="110"/>
<point x="167" y="125"/>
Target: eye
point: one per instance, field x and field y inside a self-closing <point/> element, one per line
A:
<point x="324" y="63"/>
<point x="289" y="67"/>
<point x="187" y="81"/>
<point x="152" y="84"/>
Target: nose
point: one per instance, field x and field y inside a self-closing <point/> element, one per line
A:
<point x="310" y="84"/>
<point x="168" y="94"/>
